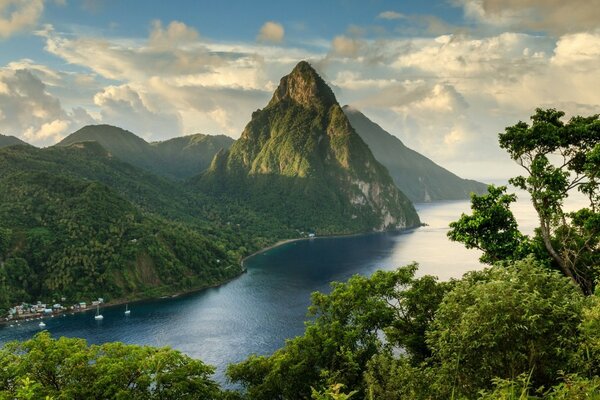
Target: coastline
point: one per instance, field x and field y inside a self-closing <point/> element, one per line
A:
<point x="167" y="295"/>
<point x="334" y="236"/>
<point x="117" y="302"/>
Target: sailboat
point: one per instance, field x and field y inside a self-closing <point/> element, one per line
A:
<point x="127" y="310"/>
<point x="98" y="315"/>
<point x="41" y="324"/>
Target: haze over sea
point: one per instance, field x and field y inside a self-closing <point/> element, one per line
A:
<point x="256" y="312"/>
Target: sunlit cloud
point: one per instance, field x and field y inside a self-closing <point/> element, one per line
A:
<point x="19" y="15"/>
<point x="272" y="32"/>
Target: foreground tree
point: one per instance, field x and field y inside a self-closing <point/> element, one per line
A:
<point x="559" y="158"/>
<point x="70" y="369"/>
<point x="345" y="334"/>
<point x="513" y="319"/>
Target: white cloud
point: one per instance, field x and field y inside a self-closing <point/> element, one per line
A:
<point x="31" y="112"/>
<point x="272" y="32"/>
<point x="18" y="15"/>
<point x="177" y="33"/>
<point x="554" y="16"/>
<point x="391" y="15"/>
<point x="128" y="108"/>
<point x="167" y="51"/>
<point x="53" y="131"/>
<point x="182" y="82"/>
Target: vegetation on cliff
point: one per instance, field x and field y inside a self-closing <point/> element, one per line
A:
<point x="300" y="159"/>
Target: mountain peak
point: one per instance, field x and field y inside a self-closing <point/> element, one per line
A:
<point x="304" y="86"/>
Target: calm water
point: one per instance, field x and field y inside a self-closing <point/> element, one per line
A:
<point x="258" y="311"/>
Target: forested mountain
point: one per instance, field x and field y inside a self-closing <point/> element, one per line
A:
<point x="300" y="159"/>
<point x="181" y="157"/>
<point x="417" y="176"/>
<point x="186" y="156"/>
<point x="6" y="141"/>
<point x="78" y="222"/>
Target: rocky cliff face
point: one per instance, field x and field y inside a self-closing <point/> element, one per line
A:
<point x="302" y="148"/>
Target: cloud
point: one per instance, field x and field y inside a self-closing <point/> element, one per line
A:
<point x="52" y="131"/>
<point x="579" y="51"/>
<point x="127" y="108"/>
<point x="18" y="15"/>
<point x="175" y="79"/>
<point x="31" y="112"/>
<point x="176" y="34"/>
<point x="168" y="51"/>
<point x="554" y="16"/>
<point x="344" y="46"/>
<point x="391" y="15"/>
<point x="271" y="32"/>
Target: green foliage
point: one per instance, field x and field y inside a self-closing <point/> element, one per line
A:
<point x="70" y="369"/>
<point x="491" y="228"/>
<point x="301" y="147"/>
<point x="345" y="333"/>
<point x="559" y="158"/>
<point x="89" y="225"/>
<point x="81" y="240"/>
<point x="503" y="322"/>
<point x="571" y="387"/>
<point x="332" y="393"/>
<point x="180" y="158"/>
<point x="390" y="377"/>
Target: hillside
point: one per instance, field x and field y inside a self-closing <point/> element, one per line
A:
<point x="6" y="141"/>
<point x="186" y="156"/>
<point x="180" y="158"/>
<point x="300" y="159"/>
<point x="76" y="212"/>
<point x="80" y="240"/>
<point x="417" y="176"/>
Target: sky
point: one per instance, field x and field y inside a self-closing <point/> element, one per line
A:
<point x="444" y="76"/>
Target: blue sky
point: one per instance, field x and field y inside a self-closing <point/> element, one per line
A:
<point x="444" y="76"/>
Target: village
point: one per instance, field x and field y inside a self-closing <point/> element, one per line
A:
<point x="29" y="312"/>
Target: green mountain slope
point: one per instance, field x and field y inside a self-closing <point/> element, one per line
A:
<point x="418" y="177"/>
<point x="77" y="211"/>
<point x="300" y="159"/>
<point x="180" y="158"/>
<point x="6" y="141"/>
<point x="79" y="239"/>
<point x="118" y="142"/>
<point x="186" y="156"/>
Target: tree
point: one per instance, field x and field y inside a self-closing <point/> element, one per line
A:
<point x="492" y="227"/>
<point x="569" y="238"/>
<point x="345" y="333"/>
<point x="70" y="369"/>
<point x="508" y="320"/>
<point x="559" y="158"/>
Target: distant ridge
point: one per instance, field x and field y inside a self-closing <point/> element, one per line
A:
<point x="6" y="141"/>
<point x="300" y="159"/>
<point x="180" y="157"/>
<point x="417" y="176"/>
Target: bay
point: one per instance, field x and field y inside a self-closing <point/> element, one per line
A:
<point x="258" y="311"/>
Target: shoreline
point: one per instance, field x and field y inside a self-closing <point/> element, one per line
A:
<point x="113" y="303"/>
<point x="334" y="236"/>
<point x="117" y="302"/>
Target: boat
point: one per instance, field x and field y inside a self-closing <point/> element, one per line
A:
<point x="127" y="310"/>
<point x="42" y="324"/>
<point x="98" y="315"/>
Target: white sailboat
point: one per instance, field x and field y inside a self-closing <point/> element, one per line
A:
<point x="127" y="310"/>
<point x="41" y="324"/>
<point x="98" y="315"/>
